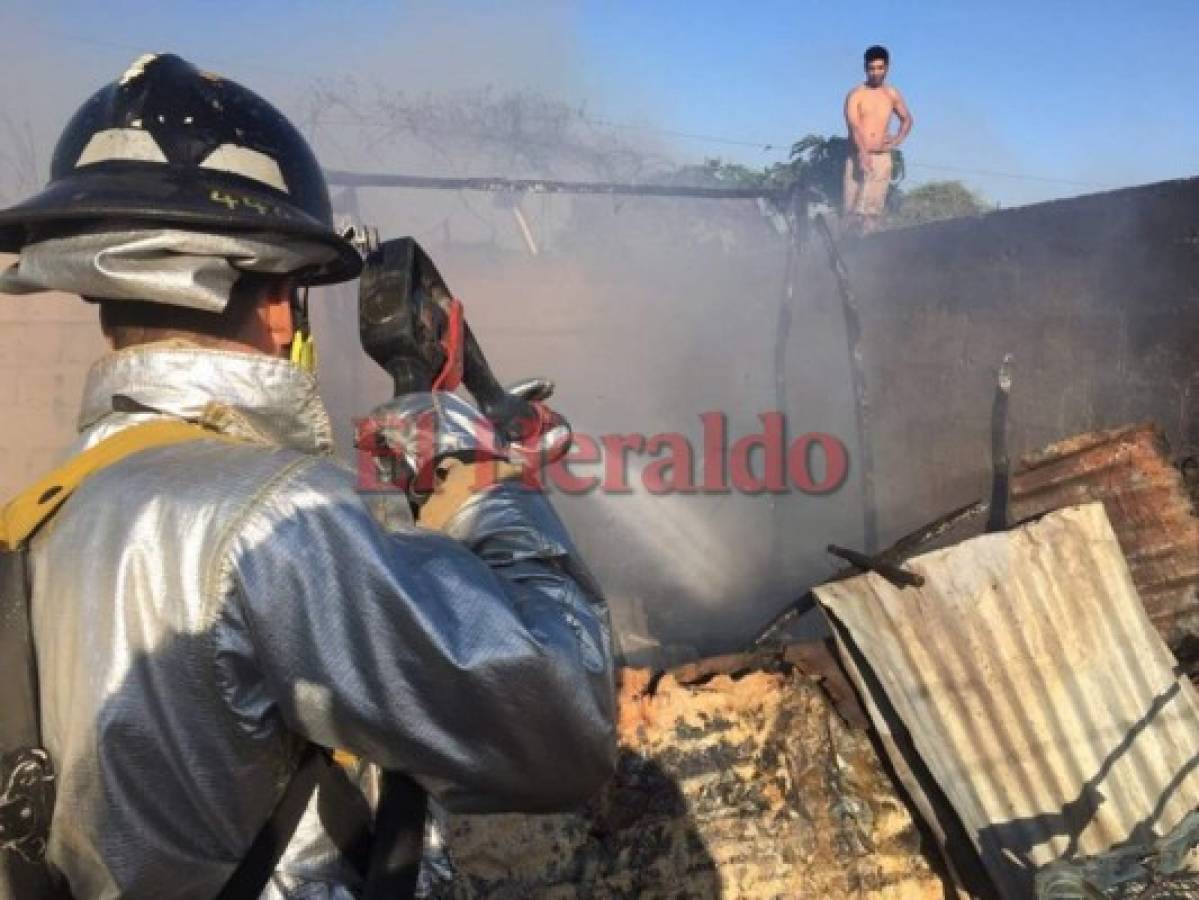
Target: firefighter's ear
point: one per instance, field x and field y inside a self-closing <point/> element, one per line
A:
<point x="275" y="317"/>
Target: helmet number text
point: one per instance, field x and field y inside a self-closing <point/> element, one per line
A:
<point x="233" y="201"/>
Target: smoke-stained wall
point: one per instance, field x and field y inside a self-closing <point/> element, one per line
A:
<point x="650" y="313"/>
<point x="1097" y="298"/>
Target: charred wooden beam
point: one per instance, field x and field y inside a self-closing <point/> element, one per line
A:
<point x="898" y="576"/>
<point x="857" y="368"/>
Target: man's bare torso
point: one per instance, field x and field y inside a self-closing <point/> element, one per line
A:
<point x="873" y="107"/>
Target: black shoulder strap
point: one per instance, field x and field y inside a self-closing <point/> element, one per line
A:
<point x="394" y="871"/>
<point x="20" y="725"/>
<point x="26" y="774"/>
<point x="250" y="878"/>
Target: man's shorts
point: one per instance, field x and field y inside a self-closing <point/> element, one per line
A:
<point x="866" y="192"/>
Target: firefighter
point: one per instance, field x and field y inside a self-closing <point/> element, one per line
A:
<point x="204" y="611"/>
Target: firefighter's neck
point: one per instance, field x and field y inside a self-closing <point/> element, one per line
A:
<point x="268" y="329"/>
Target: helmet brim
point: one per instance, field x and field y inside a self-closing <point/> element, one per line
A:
<point x="165" y="195"/>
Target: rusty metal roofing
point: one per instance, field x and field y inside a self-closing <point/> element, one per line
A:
<point x="1030" y="690"/>
<point x="1129" y="470"/>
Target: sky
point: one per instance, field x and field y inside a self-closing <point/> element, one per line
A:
<point x="1023" y="101"/>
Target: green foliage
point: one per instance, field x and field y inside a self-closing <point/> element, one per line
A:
<point x="815" y="170"/>
<point x="818" y="164"/>
<point x="935" y="201"/>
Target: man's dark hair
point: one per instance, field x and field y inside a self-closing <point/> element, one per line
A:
<point x="877" y="52"/>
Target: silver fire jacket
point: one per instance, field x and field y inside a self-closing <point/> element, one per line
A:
<point x="199" y="609"/>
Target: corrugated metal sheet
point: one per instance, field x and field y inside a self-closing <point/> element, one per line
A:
<point x="1034" y="690"/>
<point x="1129" y="470"/>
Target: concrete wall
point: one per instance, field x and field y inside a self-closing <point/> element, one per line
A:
<point x="1097" y="298"/>
<point x="46" y="344"/>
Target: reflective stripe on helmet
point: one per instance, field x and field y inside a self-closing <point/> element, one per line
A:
<point x="120" y="143"/>
<point x="140" y="146"/>
<point x="248" y="163"/>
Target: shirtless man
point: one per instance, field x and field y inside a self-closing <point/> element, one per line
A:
<point x="868" y="110"/>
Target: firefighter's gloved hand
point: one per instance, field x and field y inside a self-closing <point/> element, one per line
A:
<point x="405" y="440"/>
<point x="455" y="482"/>
<point x="543" y="435"/>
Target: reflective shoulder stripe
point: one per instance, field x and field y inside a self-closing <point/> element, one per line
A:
<point x="26" y="512"/>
